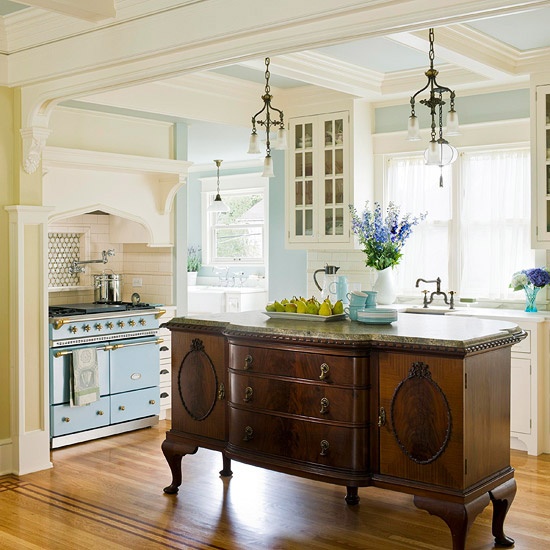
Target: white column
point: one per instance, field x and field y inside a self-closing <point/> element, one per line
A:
<point x="29" y="350"/>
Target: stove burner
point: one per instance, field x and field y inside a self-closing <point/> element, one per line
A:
<point x="96" y="307"/>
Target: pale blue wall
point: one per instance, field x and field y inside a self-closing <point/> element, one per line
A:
<point x="473" y="109"/>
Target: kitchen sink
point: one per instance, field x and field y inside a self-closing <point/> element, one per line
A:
<point x="429" y="310"/>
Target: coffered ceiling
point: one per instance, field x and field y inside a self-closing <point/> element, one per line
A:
<point x="485" y="50"/>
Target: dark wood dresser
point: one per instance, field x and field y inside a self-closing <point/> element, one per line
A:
<point x="421" y="406"/>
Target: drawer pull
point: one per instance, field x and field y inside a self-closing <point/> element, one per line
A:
<point x="122" y="408"/>
<point x="381" y="417"/>
<point x="248" y="362"/>
<point x="164" y="395"/>
<point x="65" y="419"/>
<point x="99" y="413"/>
<point x="152" y="401"/>
<point x="248" y="394"/>
<point x="164" y="371"/>
<point x="248" y="433"/>
<point x="324" y="447"/>
<point x="221" y="392"/>
<point x="324" y="405"/>
<point x="324" y="371"/>
<point x="164" y="348"/>
<point x="135" y="376"/>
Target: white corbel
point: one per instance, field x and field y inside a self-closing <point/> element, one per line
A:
<point x="34" y="141"/>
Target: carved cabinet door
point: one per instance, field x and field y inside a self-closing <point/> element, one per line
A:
<point x="421" y="418"/>
<point x="199" y="384"/>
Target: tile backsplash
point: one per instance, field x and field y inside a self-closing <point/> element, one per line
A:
<point x="145" y="270"/>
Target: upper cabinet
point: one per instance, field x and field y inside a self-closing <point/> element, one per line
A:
<point x="318" y="184"/>
<point x="540" y="151"/>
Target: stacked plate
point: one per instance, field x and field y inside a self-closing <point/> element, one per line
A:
<point x="377" y="316"/>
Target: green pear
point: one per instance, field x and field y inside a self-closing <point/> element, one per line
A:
<point x="291" y="307"/>
<point x="338" y="308"/>
<point x="278" y="306"/>
<point x="325" y="309"/>
<point x="270" y="307"/>
<point x="312" y="307"/>
<point x="301" y="306"/>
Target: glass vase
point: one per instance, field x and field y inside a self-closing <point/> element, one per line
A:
<point x="530" y="298"/>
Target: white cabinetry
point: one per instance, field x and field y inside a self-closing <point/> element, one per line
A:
<point x="540" y="159"/>
<point x="165" y="364"/>
<point x="318" y="190"/>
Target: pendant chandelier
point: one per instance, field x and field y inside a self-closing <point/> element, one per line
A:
<point x="217" y="204"/>
<point x="268" y="123"/>
<point x="439" y="152"/>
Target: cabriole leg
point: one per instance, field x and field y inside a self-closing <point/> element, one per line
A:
<point x="502" y="497"/>
<point x="174" y="452"/>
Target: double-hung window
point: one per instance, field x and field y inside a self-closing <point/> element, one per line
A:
<point x="477" y="233"/>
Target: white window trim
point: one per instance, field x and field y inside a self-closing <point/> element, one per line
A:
<point x="253" y="182"/>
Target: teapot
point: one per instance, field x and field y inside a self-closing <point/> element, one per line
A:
<point x="329" y="277"/>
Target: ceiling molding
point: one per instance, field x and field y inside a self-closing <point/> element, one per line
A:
<point x="95" y="11"/>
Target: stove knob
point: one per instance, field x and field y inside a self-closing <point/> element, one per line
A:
<point x="73" y="329"/>
<point x="142" y="322"/>
<point x="109" y="325"/>
<point x="132" y="323"/>
<point x="86" y="328"/>
<point x="98" y="326"/>
<point x="120" y="324"/>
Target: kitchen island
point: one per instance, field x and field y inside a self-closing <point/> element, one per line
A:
<point x="420" y="406"/>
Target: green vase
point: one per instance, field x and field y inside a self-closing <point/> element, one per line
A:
<point x="530" y="298"/>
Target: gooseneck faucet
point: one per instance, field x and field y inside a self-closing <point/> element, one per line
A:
<point x="437" y="292"/>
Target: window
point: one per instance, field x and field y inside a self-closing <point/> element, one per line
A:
<point x="477" y="233"/>
<point x="240" y="234"/>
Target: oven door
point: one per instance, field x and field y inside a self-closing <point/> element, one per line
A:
<point x="134" y="364"/>
<point x="60" y="372"/>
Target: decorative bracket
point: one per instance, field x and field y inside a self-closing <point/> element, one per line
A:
<point x="34" y="141"/>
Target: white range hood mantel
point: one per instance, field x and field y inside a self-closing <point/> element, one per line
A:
<point x="140" y="189"/>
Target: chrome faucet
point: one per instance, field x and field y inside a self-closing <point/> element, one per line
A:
<point x="76" y="266"/>
<point x="437" y="292"/>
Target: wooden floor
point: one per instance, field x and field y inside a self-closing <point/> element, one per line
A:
<point x="107" y="495"/>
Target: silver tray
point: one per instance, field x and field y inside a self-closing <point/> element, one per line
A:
<point x="304" y="316"/>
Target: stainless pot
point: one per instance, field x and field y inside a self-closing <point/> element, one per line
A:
<point x="107" y="288"/>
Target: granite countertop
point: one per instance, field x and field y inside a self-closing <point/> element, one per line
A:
<point x="442" y="331"/>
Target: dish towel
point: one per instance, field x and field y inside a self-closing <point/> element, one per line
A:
<point x="85" y="377"/>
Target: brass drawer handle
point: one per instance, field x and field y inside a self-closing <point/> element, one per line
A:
<point x="248" y="394"/>
<point x="221" y="392"/>
<point x="324" y="371"/>
<point x="324" y="405"/>
<point x="248" y="362"/>
<point x="164" y="395"/>
<point x="248" y="433"/>
<point x="324" y="447"/>
<point x="164" y="371"/>
<point x="381" y="417"/>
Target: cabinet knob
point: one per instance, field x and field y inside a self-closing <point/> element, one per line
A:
<point x="248" y="433"/>
<point x="324" y="447"/>
<point x="324" y="405"/>
<point x="65" y="419"/>
<point x="99" y="413"/>
<point x="381" y="417"/>
<point x="152" y="401"/>
<point x="324" y="371"/>
<point x="122" y="408"/>
<point x="248" y="394"/>
<point x="248" y="362"/>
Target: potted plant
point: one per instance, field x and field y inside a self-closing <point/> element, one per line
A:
<point x="193" y="263"/>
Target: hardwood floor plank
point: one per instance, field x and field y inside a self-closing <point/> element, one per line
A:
<point x="107" y="494"/>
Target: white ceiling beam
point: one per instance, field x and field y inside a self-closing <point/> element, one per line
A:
<point x="88" y="10"/>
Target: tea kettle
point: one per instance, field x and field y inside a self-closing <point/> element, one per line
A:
<point x="329" y="277"/>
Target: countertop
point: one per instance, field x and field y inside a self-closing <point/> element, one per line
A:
<point x="441" y="331"/>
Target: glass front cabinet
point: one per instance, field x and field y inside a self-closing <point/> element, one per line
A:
<point x="541" y="168"/>
<point x="318" y="186"/>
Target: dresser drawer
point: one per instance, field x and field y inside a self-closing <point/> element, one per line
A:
<point x="316" y="400"/>
<point x="325" y="367"/>
<point x="299" y="439"/>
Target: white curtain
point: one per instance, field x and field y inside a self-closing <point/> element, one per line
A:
<point x="414" y="187"/>
<point x="495" y="222"/>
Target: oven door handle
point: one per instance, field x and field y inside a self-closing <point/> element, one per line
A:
<point x="70" y="352"/>
<point x="119" y="346"/>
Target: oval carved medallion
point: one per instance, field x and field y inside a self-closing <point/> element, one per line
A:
<point x="420" y="416"/>
<point x="197" y="382"/>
